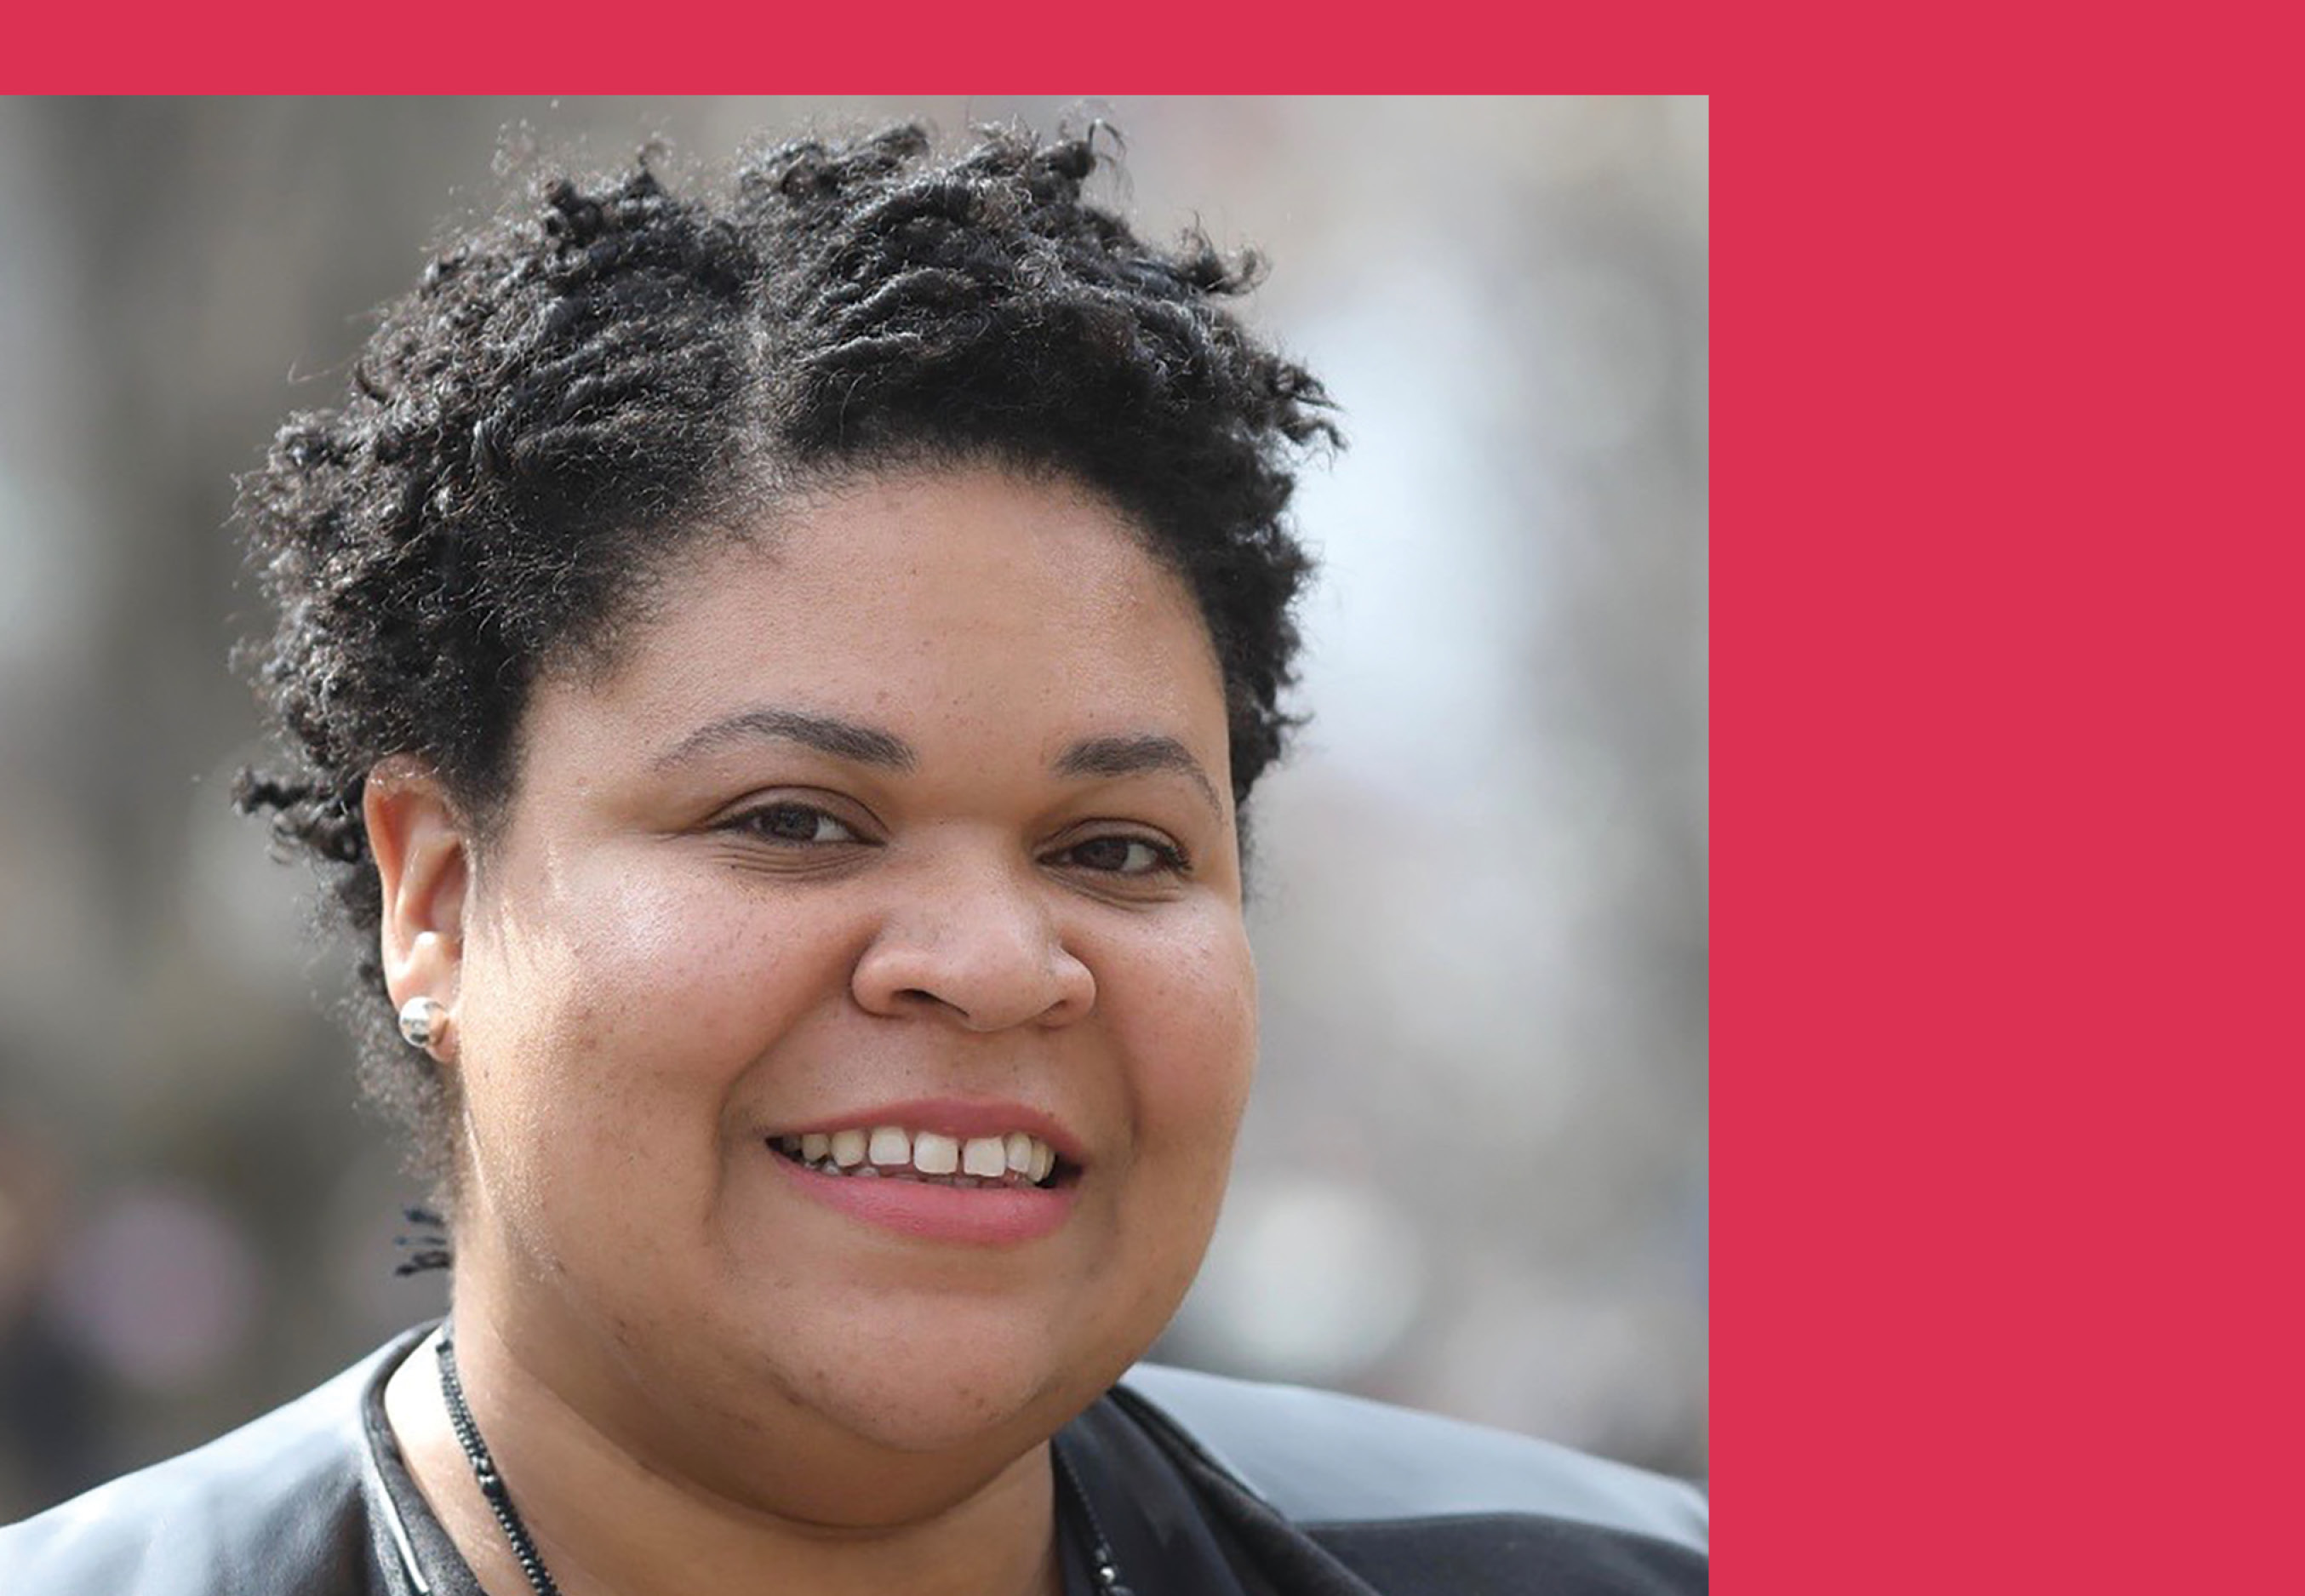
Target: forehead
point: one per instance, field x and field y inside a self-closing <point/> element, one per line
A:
<point x="950" y="605"/>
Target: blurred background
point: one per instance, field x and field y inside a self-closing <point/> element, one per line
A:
<point x="1475" y="1176"/>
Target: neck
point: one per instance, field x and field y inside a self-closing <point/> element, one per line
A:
<point x="610" y="1522"/>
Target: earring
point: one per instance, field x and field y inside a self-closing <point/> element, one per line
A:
<point x="423" y="1020"/>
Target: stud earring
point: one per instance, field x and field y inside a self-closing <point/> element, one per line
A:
<point x="423" y="1020"/>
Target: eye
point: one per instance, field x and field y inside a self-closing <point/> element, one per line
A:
<point x="1119" y="855"/>
<point x="791" y="824"/>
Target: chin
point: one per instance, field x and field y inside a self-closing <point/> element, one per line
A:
<point x="946" y="1397"/>
<point x="945" y="1382"/>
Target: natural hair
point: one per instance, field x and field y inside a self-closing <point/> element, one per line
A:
<point x="587" y="383"/>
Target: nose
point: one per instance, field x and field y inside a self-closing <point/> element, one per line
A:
<point x="976" y="943"/>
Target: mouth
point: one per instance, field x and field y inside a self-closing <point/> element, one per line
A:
<point x="943" y="1172"/>
<point x="1013" y="1160"/>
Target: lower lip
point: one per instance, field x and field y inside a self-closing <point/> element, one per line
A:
<point x="988" y="1217"/>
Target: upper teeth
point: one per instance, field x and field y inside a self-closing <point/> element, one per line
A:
<point x="925" y="1152"/>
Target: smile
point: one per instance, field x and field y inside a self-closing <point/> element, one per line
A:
<point x="1013" y="1160"/>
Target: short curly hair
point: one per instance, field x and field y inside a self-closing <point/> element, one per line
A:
<point x="588" y="382"/>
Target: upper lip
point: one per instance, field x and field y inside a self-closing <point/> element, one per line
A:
<point x="960" y="1118"/>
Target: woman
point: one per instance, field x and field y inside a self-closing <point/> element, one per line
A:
<point x="775" y="680"/>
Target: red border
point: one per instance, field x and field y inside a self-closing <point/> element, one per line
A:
<point x="2008" y="807"/>
<point x="293" y="46"/>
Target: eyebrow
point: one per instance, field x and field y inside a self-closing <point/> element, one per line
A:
<point x="1106" y="757"/>
<point x="826" y="733"/>
<point x="1135" y="756"/>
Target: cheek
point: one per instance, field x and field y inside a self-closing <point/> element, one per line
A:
<point x="613" y="1027"/>
<point x="1182" y="1011"/>
<point x="1188" y="1017"/>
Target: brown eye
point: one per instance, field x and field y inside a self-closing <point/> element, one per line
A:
<point x="1125" y="856"/>
<point x="793" y="823"/>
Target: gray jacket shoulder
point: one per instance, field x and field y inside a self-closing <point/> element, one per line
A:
<point x="1320" y="1458"/>
<point x="278" y="1499"/>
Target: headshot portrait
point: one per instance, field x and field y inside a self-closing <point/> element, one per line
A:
<point x="823" y="845"/>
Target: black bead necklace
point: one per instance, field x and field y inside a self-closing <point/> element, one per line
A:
<point x="539" y="1577"/>
<point x="484" y="1470"/>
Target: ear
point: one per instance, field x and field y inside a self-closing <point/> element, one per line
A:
<point x="424" y="860"/>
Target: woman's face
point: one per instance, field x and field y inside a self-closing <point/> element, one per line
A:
<point x="910" y="815"/>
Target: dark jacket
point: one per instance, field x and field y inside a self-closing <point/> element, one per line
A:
<point x="1309" y="1494"/>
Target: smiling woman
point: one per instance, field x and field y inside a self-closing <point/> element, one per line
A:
<point x="775" y="681"/>
<point x="722" y="911"/>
